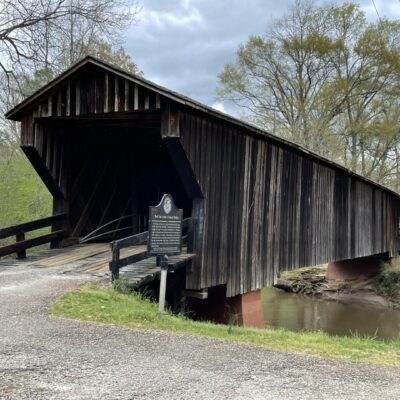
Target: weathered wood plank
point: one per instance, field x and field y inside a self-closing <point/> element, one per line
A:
<point x="31" y="225"/>
<point x="29" y="243"/>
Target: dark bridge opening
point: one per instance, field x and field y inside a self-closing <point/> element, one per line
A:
<point x="114" y="171"/>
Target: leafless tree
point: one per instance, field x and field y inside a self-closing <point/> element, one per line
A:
<point x="37" y="33"/>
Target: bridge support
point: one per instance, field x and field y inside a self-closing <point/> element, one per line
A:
<point x="249" y="309"/>
<point x="355" y="269"/>
<point x="245" y="309"/>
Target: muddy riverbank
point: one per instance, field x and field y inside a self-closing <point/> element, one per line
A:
<point x="313" y="281"/>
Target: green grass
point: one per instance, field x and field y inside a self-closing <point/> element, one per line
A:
<point x="23" y="196"/>
<point x="96" y="304"/>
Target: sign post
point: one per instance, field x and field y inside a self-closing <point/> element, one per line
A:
<point x="163" y="284"/>
<point x="165" y="238"/>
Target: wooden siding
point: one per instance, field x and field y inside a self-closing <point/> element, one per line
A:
<point x="46" y="151"/>
<point x="268" y="208"/>
<point x="94" y="91"/>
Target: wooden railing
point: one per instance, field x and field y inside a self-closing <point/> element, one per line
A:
<point x="139" y="239"/>
<point x="23" y="244"/>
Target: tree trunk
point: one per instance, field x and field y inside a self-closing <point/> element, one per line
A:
<point x="353" y="136"/>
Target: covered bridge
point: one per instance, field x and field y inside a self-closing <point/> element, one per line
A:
<point x="108" y="144"/>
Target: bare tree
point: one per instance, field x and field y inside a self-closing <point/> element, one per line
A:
<point x="33" y="34"/>
<point x="279" y="79"/>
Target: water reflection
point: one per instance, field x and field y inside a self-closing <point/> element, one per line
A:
<point x="299" y="312"/>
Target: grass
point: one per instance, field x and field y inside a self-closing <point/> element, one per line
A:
<point x="23" y="196"/>
<point x="105" y="305"/>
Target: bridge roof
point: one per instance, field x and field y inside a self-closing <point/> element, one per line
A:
<point x="17" y="112"/>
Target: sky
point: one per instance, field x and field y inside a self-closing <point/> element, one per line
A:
<point x="184" y="44"/>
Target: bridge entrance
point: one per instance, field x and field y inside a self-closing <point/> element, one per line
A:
<point x="104" y="174"/>
<point x="114" y="172"/>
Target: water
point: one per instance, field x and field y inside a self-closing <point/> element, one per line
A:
<point x="299" y="312"/>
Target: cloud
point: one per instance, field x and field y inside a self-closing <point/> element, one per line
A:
<point x="182" y="16"/>
<point x="184" y="44"/>
<point x="218" y="106"/>
<point x="384" y="8"/>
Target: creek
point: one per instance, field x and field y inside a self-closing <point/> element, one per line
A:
<point x="299" y="312"/>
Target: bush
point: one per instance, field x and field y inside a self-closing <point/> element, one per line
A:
<point x="388" y="282"/>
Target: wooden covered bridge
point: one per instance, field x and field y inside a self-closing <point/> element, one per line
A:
<point x="108" y="144"/>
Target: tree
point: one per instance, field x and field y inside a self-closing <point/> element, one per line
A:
<point x="325" y="78"/>
<point x="365" y="78"/>
<point x="279" y="79"/>
<point x="37" y="34"/>
<point x="32" y="81"/>
<point x="113" y="54"/>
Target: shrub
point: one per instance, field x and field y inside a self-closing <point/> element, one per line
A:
<point x="388" y="282"/>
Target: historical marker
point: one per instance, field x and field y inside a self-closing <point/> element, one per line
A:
<point x="165" y="238"/>
<point x="165" y="228"/>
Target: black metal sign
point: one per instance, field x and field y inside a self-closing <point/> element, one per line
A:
<point x="165" y="228"/>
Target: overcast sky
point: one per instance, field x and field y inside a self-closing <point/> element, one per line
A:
<point x="184" y="44"/>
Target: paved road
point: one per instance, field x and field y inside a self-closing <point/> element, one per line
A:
<point x="42" y="357"/>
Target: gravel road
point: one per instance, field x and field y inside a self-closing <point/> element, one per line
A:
<point x="42" y="357"/>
